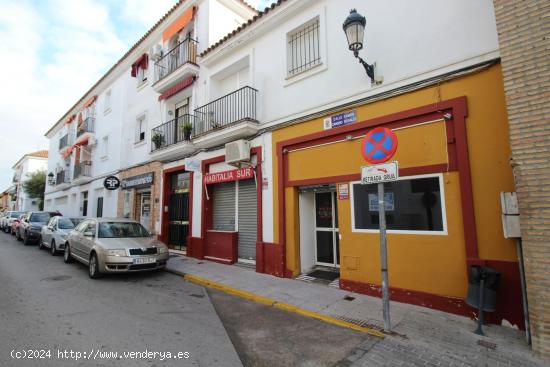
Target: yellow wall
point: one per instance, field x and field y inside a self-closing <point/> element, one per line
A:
<point x="429" y="263"/>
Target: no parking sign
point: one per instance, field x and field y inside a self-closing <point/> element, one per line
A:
<point x="379" y="145"/>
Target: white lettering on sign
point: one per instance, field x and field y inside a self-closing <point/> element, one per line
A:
<point x="226" y="176"/>
<point x="384" y="172"/>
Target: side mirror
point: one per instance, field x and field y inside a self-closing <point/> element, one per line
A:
<point x="88" y="234"/>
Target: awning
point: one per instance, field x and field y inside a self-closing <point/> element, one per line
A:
<point x="67" y="152"/>
<point x="142" y="62"/>
<point x="177" y="88"/>
<point x="70" y="119"/>
<point x="178" y="24"/>
<point x="90" y="102"/>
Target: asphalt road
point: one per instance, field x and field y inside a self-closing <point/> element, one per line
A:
<point x="51" y="308"/>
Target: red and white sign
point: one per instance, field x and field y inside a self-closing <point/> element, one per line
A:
<point x="343" y="191"/>
<point x="226" y="176"/>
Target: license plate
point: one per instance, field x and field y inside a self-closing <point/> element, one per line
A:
<point x="144" y="260"/>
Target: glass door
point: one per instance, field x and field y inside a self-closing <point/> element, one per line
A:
<point x="145" y="211"/>
<point x="327" y="247"/>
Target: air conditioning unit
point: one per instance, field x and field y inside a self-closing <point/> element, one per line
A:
<point x="156" y="52"/>
<point x="237" y="151"/>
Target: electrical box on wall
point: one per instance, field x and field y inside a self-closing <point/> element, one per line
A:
<point x="510" y="215"/>
<point x="237" y="151"/>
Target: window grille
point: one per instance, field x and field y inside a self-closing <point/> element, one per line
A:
<point x="304" y="48"/>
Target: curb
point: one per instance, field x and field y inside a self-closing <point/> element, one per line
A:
<point x="280" y="305"/>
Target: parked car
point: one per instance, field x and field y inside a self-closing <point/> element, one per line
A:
<point x="31" y="226"/>
<point x="7" y="220"/>
<point x="54" y="234"/>
<point x="15" y="224"/>
<point x="114" y="246"/>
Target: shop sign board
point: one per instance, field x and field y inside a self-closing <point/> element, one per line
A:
<point x="380" y="173"/>
<point x="142" y="180"/>
<point x="379" y="145"/>
<point x="226" y="176"/>
<point x="340" y="119"/>
<point x="111" y="183"/>
<point x="343" y="191"/>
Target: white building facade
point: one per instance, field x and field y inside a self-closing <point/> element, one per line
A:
<point x="27" y="165"/>
<point x="236" y="136"/>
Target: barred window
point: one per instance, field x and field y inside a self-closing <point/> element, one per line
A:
<point x="303" y="51"/>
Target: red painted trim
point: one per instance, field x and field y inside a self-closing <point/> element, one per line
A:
<point x="403" y="172"/>
<point x="443" y="303"/>
<point x="177" y="88"/>
<point x="457" y="157"/>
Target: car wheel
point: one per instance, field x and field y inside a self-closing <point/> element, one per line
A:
<point x="53" y="250"/>
<point x="67" y="257"/>
<point x="40" y="244"/>
<point x="26" y="241"/>
<point x="18" y="235"/>
<point x="93" y="267"/>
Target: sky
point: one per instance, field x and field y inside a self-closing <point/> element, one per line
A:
<point x="52" y="52"/>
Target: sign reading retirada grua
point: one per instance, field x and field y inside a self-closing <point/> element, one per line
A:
<point x="145" y="179"/>
<point x="226" y="176"/>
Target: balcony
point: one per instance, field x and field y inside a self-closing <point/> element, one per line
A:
<point x="62" y="177"/>
<point x="231" y="117"/>
<point x="173" y="138"/>
<point x="82" y="170"/>
<point x="87" y="126"/>
<point x="178" y="64"/>
<point x="64" y="141"/>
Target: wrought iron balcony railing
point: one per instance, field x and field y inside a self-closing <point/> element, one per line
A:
<point x="62" y="177"/>
<point x="234" y="107"/>
<point x="173" y="132"/>
<point x="184" y="52"/>
<point x="64" y="141"/>
<point x="83" y="169"/>
<point x="87" y="126"/>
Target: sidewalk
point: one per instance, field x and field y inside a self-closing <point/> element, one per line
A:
<point x="422" y="336"/>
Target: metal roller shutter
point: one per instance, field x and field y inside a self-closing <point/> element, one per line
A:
<point x="247" y="219"/>
<point x="223" y="214"/>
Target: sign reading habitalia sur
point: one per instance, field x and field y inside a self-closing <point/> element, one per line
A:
<point x="226" y="176"/>
<point x="145" y="179"/>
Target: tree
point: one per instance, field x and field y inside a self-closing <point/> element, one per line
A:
<point x="35" y="186"/>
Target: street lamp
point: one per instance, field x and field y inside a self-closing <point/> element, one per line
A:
<point x="354" y="27"/>
<point x="50" y="178"/>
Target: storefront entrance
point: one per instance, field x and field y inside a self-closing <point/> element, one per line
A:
<point x="327" y="250"/>
<point x="319" y="232"/>
<point x="145" y="210"/>
<point x="178" y="210"/>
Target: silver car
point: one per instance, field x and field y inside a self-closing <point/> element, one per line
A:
<point x="7" y="220"/>
<point x="55" y="233"/>
<point x="114" y="246"/>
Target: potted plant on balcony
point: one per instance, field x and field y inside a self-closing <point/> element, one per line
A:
<point x="157" y="139"/>
<point x="187" y="129"/>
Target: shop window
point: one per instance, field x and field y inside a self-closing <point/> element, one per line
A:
<point x="99" y="211"/>
<point x="303" y="48"/>
<point x="413" y="204"/>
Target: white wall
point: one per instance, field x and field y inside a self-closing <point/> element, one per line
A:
<point x="408" y="41"/>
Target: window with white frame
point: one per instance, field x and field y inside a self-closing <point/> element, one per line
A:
<point x="141" y="76"/>
<point x="104" y="147"/>
<point x="413" y="205"/>
<point x="107" y="101"/>
<point x="303" y="48"/>
<point x="141" y="123"/>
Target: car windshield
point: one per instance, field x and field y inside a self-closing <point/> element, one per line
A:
<point x="39" y="217"/>
<point x="15" y="214"/>
<point x="121" y="229"/>
<point x="75" y="221"/>
<point x="65" y="223"/>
